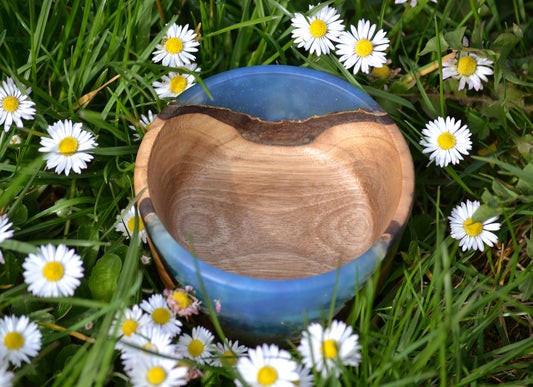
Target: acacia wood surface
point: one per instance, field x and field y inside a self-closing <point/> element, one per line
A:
<point x="276" y="210"/>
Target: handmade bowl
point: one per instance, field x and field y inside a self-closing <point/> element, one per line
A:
<point x="277" y="193"/>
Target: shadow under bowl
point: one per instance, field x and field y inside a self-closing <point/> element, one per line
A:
<point x="278" y="196"/>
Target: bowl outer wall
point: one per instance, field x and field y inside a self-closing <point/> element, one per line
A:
<point x="272" y="309"/>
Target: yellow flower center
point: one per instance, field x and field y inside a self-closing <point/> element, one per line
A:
<point x="131" y="223"/>
<point x="267" y="376"/>
<point x="156" y="375"/>
<point x="329" y="349"/>
<point x="178" y="84"/>
<point x="129" y="327"/>
<point x="230" y="358"/>
<point x="466" y="66"/>
<point x="364" y="47"/>
<point x="318" y="28"/>
<point x="53" y="271"/>
<point x="174" y="45"/>
<point x="446" y="140"/>
<point x="182" y="299"/>
<point x="68" y="146"/>
<point x="195" y="348"/>
<point x="472" y="228"/>
<point x="161" y="316"/>
<point x="382" y="71"/>
<point x="10" y="104"/>
<point x="13" y="340"/>
<point x="149" y="347"/>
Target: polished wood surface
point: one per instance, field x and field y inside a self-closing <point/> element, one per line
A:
<point x="274" y="200"/>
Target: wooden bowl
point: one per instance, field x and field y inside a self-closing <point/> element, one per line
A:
<point x="287" y="184"/>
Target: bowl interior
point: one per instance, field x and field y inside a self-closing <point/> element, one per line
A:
<point x="287" y="209"/>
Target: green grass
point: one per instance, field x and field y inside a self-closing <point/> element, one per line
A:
<point x="442" y="316"/>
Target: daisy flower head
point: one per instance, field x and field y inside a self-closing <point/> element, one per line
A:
<point x="305" y="376"/>
<point x="127" y="324"/>
<point x="150" y="342"/>
<point x="14" y="106"/>
<point x="182" y="301"/>
<point x="470" y="234"/>
<point x="469" y="69"/>
<point x="316" y="32"/>
<point x="326" y="348"/>
<point x="144" y="122"/>
<point x="197" y="346"/>
<point x="160" y="315"/>
<point x="267" y="365"/>
<point x="15" y="140"/>
<point x="66" y="148"/>
<point x="126" y="224"/>
<point x="153" y="372"/>
<point x="228" y="353"/>
<point x="446" y="140"/>
<point x="6" y="377"/>
<point x="412" y="3"/>
<point x="363" y="47"/>
<point x="6" y="232"/>
<point x="20" y="339"/>
<point x="175" y="83"/>
<point x="53" y="271"/>
<point x="176" y="48"/>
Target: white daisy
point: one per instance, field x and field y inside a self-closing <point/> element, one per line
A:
<point x="446" y="140"/>
<point x="153" y="372"/>
<point x="413" y="2"/>
<point x="6" y="377"/>
<point x="472" y="235"/>
<point x="126" y="224"/>
<point x="160" y="315"/>
<point x="145" y="123"/>
<point x="20" y="339"/>
<point x="5" y="232"/>
<point x="316" y="32"/>
<point x="326" y="348"/>
<point x="267" y="365"/>
<point x="67" y="147"/>
<point x="305" y="376"/>
<point x="15" y="140"/>
<point x="53" y="272"/>
<point x="470" y="69"/>
<point x="197" y="346"/>
<point x="14" y="106"/>
<point x="228" y="353"/>
<point x="149" y="342"/>
<point x="175" y="83"/>
<point x="127" y="323"/>
<point x="362" y="49"/>
<point x="176" y="47"/>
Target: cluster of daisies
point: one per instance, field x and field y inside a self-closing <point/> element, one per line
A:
<point x="154" y="352"/>
<point x="447" y="141"/>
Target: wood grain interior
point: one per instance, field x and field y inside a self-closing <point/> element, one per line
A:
<point x="274" y="211"/>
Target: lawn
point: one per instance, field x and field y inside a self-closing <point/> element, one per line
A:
<point x="82" y="80"/>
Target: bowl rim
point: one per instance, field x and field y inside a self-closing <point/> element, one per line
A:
<point x="197" y="91"/>
<point x="190" y="270"/>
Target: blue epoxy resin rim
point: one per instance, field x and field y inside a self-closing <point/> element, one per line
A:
<point x="308" y="92"/>
<point x="261" y="310"/>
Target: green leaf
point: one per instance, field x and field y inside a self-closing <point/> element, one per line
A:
<point x="104" y="277"/>
<point x="431" y="45"/>
<point x="525" y="182"/>
<point x="504" y="192"/>
<point x="455" y="38"/>
<point x="504" y="43"/>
